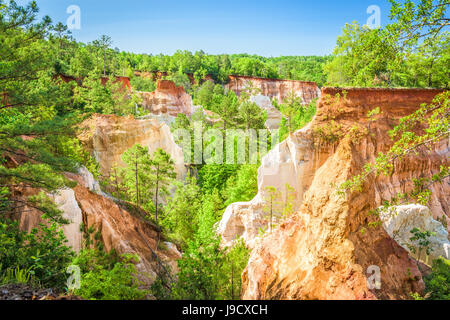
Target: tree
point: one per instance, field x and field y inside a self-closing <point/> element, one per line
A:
<point x="361" y="56"/>
<point x="236" y="259"/>
<point x="437" y="283"/>
<point x="278" y="205"/>
<point x="404" y="53"/>
<point x="250" y="114"/>
<point x="62" y="33"/>
<point x="105" y="43"/>
<point x="161" y="173"/>
<point x="291" y="105"/>
<point x="43" y="252"/>
<point x="408" y="139"/>
<point x="107" y="96"/>
<point x="29" y="125"/>
<point x="243" y="185"/>
<point x="181" y="212"/>
<point x="139" y="186"/>
<point x="414" y="21"/>
<point x="273" y="205"/>
<point x="115" y="181"/>
<point x="228" y="110"/>
<point x="200" y="273"/>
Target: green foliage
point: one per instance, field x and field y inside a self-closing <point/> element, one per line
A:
<point x="41" y="253"/>
<point x="199" y="278"/>
<point x="30" y="126"/>
<point x="180" y="79"/>
<point x="299" y="116"/>
<point x="136" y="182"/>
<point x="438" y="282"/>
<point x="236" y="260"/>
<point x="242" y="186"/>
<point x="181" y="220"/>
<point x="107" y="276"/>
<point x="200" y="64"/>
<point x="162" y="173"/>
<point x="145" y="179"/>
<point x="215" y="176"/>
<point x="329" y="133"/>
<point x="422" y="241"/>
<point x="411" y="51"/>
<point x="105" y="97"/>
<point x="142" y="84"/>
<point x="278" y="205"/>
<point x="362" y="57"/>
<point x="17" y="275"/>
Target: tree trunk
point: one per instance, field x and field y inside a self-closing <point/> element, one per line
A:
<point x="104" y="63"/>
<point x="430" y="80"/>
<point x="156" y="196"/>
<point x="137" y="184"/>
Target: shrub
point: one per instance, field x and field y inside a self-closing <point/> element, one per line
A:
<point x="438" y="282"/>
<point x="107" y="276"/>
<point x="42" y="252"/>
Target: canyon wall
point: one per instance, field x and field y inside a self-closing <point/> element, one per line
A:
<point x="168" y="99"/>
<point x="320" y="251"/>
<point x="120" y="228"/>
<point x="107" y="137"/>
<point x="275" y="88"/>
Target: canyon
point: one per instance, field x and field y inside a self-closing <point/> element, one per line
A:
<point x="169" y="100"/>
<point x="275" y="88"/>
<point x="320" y="252"/>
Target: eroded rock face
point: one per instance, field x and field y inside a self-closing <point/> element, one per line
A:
<point x="168" y="99"/>
<point x="320" y="251"/>
<point x="275" y="88"/>
<point x="398" y="222"/>
<point x="126" y="232"/>
<point x="107" y="137"/>
<point x="121" y="230"/>
<point x="273" y="115"/>
<point x="289" y="163"/>
<point x="66" y="202"/>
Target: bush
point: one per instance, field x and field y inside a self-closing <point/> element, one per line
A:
<point x="107" y="276"/>
<point x="438" y="282"/>
<point x="143" y="84"/>
<point x="42" y="253"/>
<point x="301" y="118"/>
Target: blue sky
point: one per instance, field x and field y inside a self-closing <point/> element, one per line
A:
<point x="268" y="28"/>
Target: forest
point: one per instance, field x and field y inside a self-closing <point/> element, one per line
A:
<point x="40" y="116"/>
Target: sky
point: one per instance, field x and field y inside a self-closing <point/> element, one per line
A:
<point x="267" y="28"/>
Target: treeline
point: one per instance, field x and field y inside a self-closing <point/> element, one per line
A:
<point x="100" y="57"/>
<point x="219" y="67"/>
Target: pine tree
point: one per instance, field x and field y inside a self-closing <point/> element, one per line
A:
<point x="291" y="105"/>
<point x="161" y="173"/>
<point x="137" y="181"/>
<point x="181" y="212"/>
<point x="32" y="135"/>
